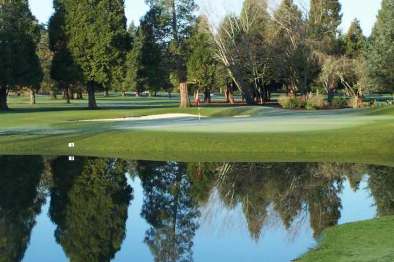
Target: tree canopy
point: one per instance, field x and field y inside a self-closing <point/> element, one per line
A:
<point x="19" y="36"/>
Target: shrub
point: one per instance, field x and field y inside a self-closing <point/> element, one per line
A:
<point x="339" y="102"/>
<point x="284" y="101"/>
<point x="356" y="102"/>
<point x="291" y="102"/>
<point x="315" y="102"/>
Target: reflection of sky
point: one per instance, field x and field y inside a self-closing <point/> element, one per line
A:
<point x="358" y="205"/>
<point x="223" y="234"/>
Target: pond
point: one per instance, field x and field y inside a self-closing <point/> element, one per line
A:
<point x="95" y="209"/>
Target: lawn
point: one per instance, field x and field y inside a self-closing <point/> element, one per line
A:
<point x="358" y="242"/>
<point x="238" y="133"/>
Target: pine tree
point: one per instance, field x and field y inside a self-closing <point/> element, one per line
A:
<point x="324" y="20"/>
<point x="144" y="71"/>
<point x="354" y="40"/>
<point x="380" y="53"/>
<point x="289" y="45"/>
<point x="98" y="40"/>
<point x="19" y="36"/>
<point x="202" y="65"/>
<point x="176" y="21"/>
<point x="64" y="69"/>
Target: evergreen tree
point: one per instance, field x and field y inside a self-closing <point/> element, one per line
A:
<point x="291" y="53"/>
<point x="46" y="56"/>
<point x="98" y="40"/>
<point x="176" y="21"/>
<point x="354" y="40"/>
<point x="324" y="20"/>
<point x="202" y="65"/>
<point x="143" y="66"/>
<point x="380" y="53"/>
<point x="64" y="69"/>
<point x="19" y="36"/>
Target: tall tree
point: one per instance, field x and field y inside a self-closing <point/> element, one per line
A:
<point x="202" y="65"/>
<point x="98" y="40"/>
<point x="242" y="47"/>
<point x="324" y="20"/>
<point x="144" y="61"/>
<point x="19" y="36"/>
<point x="354" y="40"/>
<point x="380" y="53"/>
<point x="292" y="57"/>
<point x="64" y="69"/>
<point x="177" y="19"/>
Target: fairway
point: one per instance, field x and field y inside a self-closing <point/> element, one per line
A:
<point x="140" y="128"/>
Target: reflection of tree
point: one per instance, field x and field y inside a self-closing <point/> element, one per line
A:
<point x="169" y="209"/>
<point x="381" y="183"/>
<point x="203" y="178"/>
<point x="20" y="203"/>
<point x="288" y="187"/>
<point x="90" y="198"/>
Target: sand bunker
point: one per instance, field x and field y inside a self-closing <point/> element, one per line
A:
<point x="149" y="117"/>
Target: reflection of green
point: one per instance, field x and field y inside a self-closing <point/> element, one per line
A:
<point x="20" y="203"/>
<point x="90" y="198"/>
<point x="169" y="209"/>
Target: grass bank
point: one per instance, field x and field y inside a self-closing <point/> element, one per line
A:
<point x="362" y="242"/>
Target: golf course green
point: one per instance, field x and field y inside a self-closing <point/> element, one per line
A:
<point x="223" y="133"/>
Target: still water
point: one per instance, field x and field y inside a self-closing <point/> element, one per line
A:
<point x="94" y="209"/>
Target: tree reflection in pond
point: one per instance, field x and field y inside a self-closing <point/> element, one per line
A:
<point x="381" y="183"/>
<point x="294" y="190"/>
<point x="169" y="209"/>
<point x="20" y="202"/>
<point x="90" y="198"/>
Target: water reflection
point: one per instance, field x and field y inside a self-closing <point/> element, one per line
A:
<point x="89" y="202"/>
<point x="90" y="199"/>
<point x="21" y="199"/>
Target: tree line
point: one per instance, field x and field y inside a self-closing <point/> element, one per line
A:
<point x="87" y="47"/>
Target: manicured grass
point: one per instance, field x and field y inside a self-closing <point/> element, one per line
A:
<point x="359" y="136"/>
<point x="358" y="242"/>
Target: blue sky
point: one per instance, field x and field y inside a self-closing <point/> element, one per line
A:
<point x="365" y="10"/>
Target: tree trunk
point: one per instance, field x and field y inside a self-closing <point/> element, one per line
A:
<point x="229" y="96"/>
<point x="184" y="95"/>
<point x="330" y="95"/>
<point x="79" y="95"/>
<point x="3" y="99"/>
<point x="123" y="93"/>
<point x="207" y="95"/>
<point x="106" y="92"/>
<point x="32" y="96"/>
<point x="67" y="94"/>
<point x="91" y="95"/>
<point x="243" y="86"/>
<point x="53" y="95"/>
